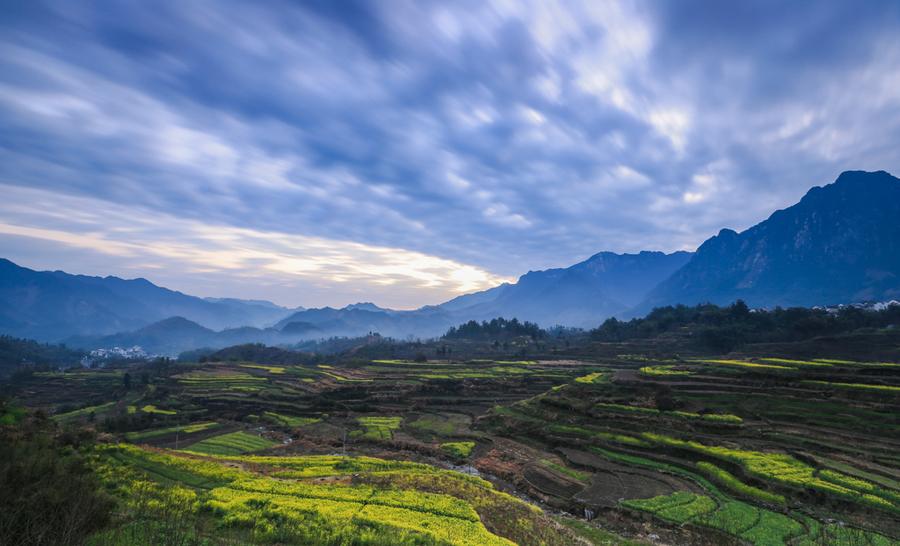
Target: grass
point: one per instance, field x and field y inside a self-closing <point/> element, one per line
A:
<point x="233" y="443"/>
<point x="458" y="449"/>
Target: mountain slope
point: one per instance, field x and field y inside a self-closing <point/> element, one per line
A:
<point x="581" y="295"/>
<point x="839" y="244"/>
<point x="52" y="305"/>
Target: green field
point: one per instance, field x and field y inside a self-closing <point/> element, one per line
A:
<point x="232" y="443"/>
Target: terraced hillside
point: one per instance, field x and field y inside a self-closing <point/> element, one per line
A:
<point x="762" y="451"/>
<point x="307" y="500"/>
<point x="626" y="449"/>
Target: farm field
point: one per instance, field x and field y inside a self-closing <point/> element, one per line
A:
<point x="635" y="448"/>
<point x="729" y="447"/>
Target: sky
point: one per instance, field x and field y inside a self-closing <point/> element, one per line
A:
<point x="323" y="153"/>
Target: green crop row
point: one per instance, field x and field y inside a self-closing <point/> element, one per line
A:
<point x="83" y="412"/>
<point x="150" y="408"/>
<point x="378" y="428"/>
<point x="282" y="511"/>
<point x="664" y="370"/>
<point x="185" y="429"/>
<point x="608" y="436"/>
<point x="781" y="468"/>
<point x="289" y="421"/>
<point x="757" y="526"/>
<point x="746" y="364"/>
<point x="595" y="377"/>
<point x="232" y="443"/>
<point x="857" y="386"/>
<point x="714" y="417"/>
<point x="276" y="370"/>
<point x="789" y="362"/>
<point x="728" y="480"/>
<point x="679" y="507"/>
<point x="566" y="471"/>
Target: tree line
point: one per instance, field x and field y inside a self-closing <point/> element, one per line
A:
<point x="495" y="328"/>
<point x="725" y="328"/>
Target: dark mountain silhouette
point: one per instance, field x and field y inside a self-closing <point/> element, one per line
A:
<point x="839" y="244"/>
<point x="53" y="305"/>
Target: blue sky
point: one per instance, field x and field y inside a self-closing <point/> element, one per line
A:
<point x="325" y="152"/>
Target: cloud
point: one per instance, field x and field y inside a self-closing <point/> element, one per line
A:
<point x="509" y="136"/>
<point x="212" y="260"/>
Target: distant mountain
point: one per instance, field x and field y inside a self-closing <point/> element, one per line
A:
<point x="581" y="295"/>
<point x="177" y="334"/>
<point x="53" y="305"/>
<point x="359" y="319"/>
<point x="839" y="244"/>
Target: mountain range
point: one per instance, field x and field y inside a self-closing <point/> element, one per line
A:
<point x="839" y="244"/>
<point x="54" y="305"/>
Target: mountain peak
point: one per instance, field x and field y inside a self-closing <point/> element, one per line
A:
<point x="365" y="306"/>
<point x="839" y="244"/>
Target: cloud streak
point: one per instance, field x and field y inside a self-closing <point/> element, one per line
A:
<point x="495" y="136"/>
<point x="211" y="260"/>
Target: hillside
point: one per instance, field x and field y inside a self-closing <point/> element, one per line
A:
<point x="839" y="244"/>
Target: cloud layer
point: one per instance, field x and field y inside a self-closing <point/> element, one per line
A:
<point x="405" y="152"/>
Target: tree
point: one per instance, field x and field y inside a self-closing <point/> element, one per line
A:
<point x="126" y="380"/>
<point x="48" y="492"/>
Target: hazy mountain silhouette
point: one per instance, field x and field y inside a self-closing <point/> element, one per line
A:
<point x="839" y="244"/>
<point x="52" y="305"/>
<point x="581" y="295"/>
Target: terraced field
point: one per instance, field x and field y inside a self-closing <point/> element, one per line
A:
<point x="735" y="449"/>
<point x="285" y="500"/>
<point x="731" y="447"/>
<point x="232" y="443"/>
